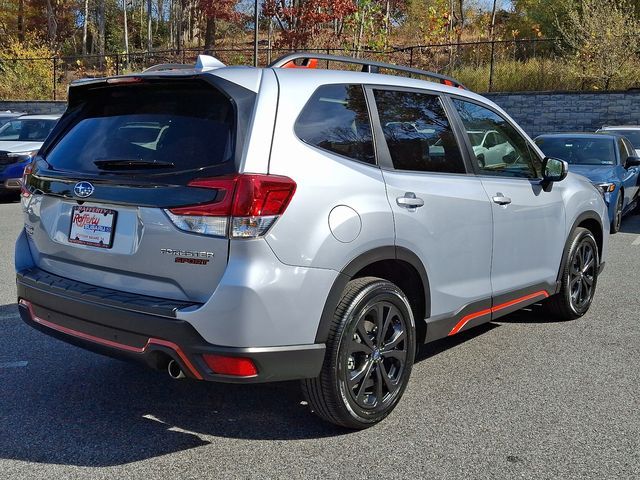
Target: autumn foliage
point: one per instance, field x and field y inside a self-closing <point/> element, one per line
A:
<point x="300" y="20"/>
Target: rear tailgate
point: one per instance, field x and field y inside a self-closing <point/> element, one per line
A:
<point x="123" y="155"/>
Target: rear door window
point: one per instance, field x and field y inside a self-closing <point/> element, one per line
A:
<point x="163" y="128"/>
<point x="336" y="119"/>
<point x="418" y="133"/>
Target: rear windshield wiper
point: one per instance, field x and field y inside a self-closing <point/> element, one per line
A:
<point x="131" y="164"/>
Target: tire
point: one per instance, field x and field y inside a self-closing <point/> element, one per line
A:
<point x="363" y="377"/>
<point x="617" y="218"/>
<point x="581" y="267"/>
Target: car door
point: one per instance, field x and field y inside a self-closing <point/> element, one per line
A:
<point x="528" y="222"/>
<point x="441" y="212"/>
<point x="629" y="175"/>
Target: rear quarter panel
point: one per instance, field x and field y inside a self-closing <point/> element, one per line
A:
<point x="302" y="236"/>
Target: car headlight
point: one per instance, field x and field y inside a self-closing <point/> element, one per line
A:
<point x="18" y="157"/>
<point x="605" y="187"/>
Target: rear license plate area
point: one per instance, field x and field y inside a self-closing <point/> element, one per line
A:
<point x="93" y="226"/>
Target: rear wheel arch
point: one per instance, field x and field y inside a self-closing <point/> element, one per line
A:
<point x="395" y="264"/>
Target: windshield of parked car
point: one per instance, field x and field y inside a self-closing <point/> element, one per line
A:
<point x="579" y="150"/>
<point x="632" y="135"/>
<point x="28" y="130"/>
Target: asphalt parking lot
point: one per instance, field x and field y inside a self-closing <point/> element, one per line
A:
<point x="520" y="398"/>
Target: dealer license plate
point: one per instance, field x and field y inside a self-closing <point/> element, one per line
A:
<point x="92" y="226"/>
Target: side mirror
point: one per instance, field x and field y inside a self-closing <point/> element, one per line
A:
<point x="553" y="170"/>
<point x="632" y="161"/>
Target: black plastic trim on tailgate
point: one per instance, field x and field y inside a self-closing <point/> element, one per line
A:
<point x="39" y="279"/>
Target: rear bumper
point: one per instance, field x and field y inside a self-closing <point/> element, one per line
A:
<point x="145" y="329"/>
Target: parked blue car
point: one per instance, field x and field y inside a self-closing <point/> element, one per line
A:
<point x="607" y="159"/>
<point x="20" y="140"/>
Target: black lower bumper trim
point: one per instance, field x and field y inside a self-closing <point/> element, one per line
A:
<point x="154" y="339"/>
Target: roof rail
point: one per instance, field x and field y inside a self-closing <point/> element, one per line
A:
<point x="370" y="66"/>
<point x="202" y="62"/>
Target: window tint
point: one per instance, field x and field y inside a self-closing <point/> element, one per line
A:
<point x="181" y="127"/>
<point x="631" y="151"/>
<point x="624" y="151"/>
<point x="336" y="119"/>
<point x="507" y="154"/>
<point x="29" y="130"/>
<point x="418" y="132"/>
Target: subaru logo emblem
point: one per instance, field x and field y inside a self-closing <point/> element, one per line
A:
<point x="83" y="189"/>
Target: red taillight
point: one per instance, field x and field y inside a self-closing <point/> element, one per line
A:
<point x="224" y="200"/>
<point x="251" y="202"/>
<point x="262" y="195"/>
<point x="28" y="169"/>
<point x="236" y="366"/>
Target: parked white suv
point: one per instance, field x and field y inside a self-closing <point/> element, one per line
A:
<point x="250" y="225"/>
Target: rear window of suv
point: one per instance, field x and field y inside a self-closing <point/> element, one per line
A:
<point x="159" y="128"/>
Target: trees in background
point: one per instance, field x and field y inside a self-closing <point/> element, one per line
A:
<point x="600" y="40"/>
<point x="120" y="26"/>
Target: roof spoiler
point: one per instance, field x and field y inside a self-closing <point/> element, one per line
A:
<point x="203" y="62"/>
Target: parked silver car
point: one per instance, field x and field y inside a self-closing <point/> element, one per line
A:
<point x="244" y="225"/>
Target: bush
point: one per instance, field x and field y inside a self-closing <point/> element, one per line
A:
<point x="21" y="77"/>
<point x="537" y="74"/>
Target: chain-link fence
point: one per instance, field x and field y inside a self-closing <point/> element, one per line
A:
<point x="499" y="65"/>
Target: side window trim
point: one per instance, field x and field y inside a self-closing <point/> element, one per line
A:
<point x="467" y="142"/>
<point x="383" y="154"/>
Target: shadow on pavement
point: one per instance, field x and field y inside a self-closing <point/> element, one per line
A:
<point x="630" y="224"/>
<point x="73" y="407"/>
<point x="9" y="198"/>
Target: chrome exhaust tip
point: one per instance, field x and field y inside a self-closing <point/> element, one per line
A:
<point x="175" y="371"/>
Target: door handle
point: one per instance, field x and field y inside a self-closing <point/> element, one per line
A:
<point x="500" y="199"/>
<point x="410" y="201"/>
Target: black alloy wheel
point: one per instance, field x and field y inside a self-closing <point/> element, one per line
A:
<point x="582" y="275"/>
<point x="617" y="217"/>
<point x="370" y="352"/>
<point x="578" y="277"/>
<point x="376" y="355"/>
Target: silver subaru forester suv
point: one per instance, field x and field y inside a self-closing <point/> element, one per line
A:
<point x="244" y="225"/>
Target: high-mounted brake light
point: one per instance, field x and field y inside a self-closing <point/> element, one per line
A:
<point x="121" y="80"/>
<point x="246" y="204"/>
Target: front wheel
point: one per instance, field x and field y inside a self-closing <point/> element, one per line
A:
<point x="370" y="353"/>
<point x="578" y="278"/>
<point x="617" y="216"/>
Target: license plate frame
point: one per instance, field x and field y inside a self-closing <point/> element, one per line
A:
<point x="102" y="219"/>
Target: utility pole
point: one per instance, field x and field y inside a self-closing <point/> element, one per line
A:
<point x="255" y="34"/>
<point x="149" y="39"/>
<point x="493" y="43"/>
<point x="126" y="32"/>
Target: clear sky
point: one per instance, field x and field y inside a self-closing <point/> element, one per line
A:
<point x="504" y="4"/>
